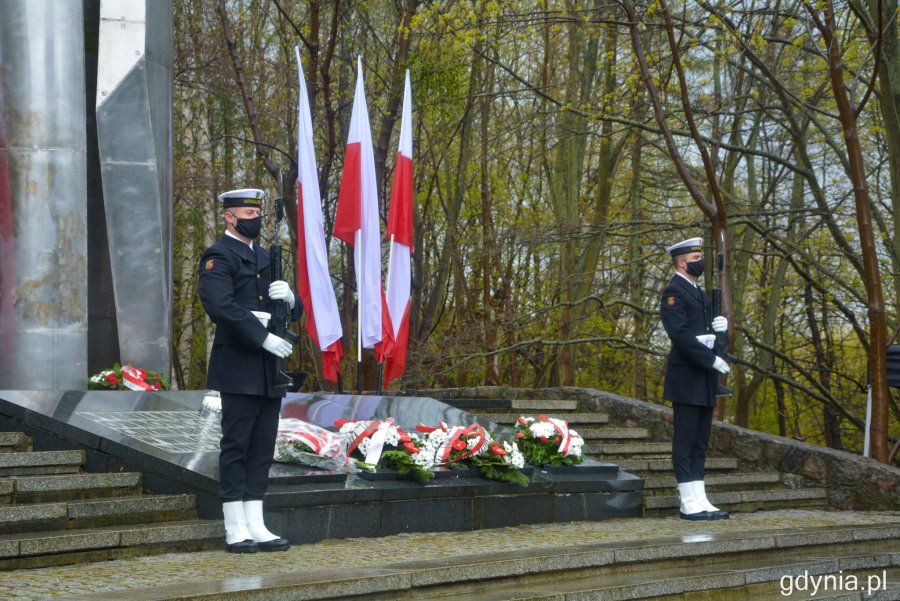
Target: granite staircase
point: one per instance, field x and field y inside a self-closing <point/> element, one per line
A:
<point x="630" y="446"/>
<point x="53" y="513"/>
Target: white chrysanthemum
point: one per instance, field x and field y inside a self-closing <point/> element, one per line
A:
<point x="539" y="429"/>
<point x="392" y="438"/>
<point x="513" y="456"/>
<point x="348" y="427"/>
<point x="437" y="437"/>
<point x="364" y="445"/>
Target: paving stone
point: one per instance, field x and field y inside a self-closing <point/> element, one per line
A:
<point x="193" y="572"/>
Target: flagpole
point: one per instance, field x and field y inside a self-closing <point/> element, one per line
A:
<point x="387" y="291"/>
<point x="359" y="303"/>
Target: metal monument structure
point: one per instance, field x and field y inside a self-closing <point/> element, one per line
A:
<point x="85" y="189"/>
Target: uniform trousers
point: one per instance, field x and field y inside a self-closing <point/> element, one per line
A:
<point x="690" y="440"/>
<point x="249" y="427"/>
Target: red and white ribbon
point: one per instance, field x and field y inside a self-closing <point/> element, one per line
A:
<point x="562" y="428"/>
<point x="135" y="378"/>
<point x="456" y="433"/>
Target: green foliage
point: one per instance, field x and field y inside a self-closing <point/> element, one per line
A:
<point x="547" y="275"/>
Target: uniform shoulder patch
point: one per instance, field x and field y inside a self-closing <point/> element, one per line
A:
<point x="669" y="301"/>
<point x="210" y="264"/>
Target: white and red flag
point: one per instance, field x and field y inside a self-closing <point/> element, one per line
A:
<point x="323" y="321"/>
<point x="356" y="221"/>
<point x="400" y="233"/>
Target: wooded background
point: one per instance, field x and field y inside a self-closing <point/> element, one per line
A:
<point x="546" y="190"/>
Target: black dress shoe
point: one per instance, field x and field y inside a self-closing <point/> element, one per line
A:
<point x="279" y="544"/>
<point x="244" y="546"/>
<point x="697" y="517"/>
<point x="719" y="514"/>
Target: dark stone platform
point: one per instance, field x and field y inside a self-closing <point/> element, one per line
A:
<point x="166" y="436"/>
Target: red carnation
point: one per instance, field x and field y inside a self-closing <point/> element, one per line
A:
<point x="339" y="423"/>
<point x="556" y="440"/>
<point x="498" y="450"/>
<point x="112" y="380"/>
<point x="520" y="435"/>
<point x="411" y="447"/>
<point x="543" y="439"/>
<point x="459" y="445"/>
<point x="521" y="420"/>
<point x="542" y="417"/>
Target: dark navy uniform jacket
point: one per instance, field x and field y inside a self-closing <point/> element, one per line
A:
<point x="234" y="280"/>
<point x="690" y="377"/>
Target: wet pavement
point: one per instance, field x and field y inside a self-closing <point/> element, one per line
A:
<point x="191" y="568"/>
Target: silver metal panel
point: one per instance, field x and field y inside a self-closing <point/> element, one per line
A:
<point x="42" y="105"/>
<point x="134" y="138"/>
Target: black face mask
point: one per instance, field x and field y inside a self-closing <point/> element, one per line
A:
<point x="249" y="228"/>
<point x="695" y="268"/>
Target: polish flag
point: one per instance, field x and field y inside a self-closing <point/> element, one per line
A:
<point x="356" y="221"/>
<point x="323" y="323"/>
<point x="400" y="233"/>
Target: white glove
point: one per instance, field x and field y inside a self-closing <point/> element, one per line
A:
<point x="279" y="290"/>
<point x="719" y="365"/>
<point x="720" y="324"/>
<point x="277" y="346"/>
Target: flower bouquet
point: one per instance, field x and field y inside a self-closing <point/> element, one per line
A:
<point x="379" y="443"/>
<point x="548" y="441"/>
<point x="473" y="446"/>
<point x="126" y="377"/>
<point x="300" y="442"/>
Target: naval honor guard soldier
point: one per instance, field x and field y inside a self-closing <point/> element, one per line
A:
<point x="235" y="290"/>
<point x="691" y="380"/>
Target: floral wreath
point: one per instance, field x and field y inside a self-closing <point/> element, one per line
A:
<point x="127" y="377"/>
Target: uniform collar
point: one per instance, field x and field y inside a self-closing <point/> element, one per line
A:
<point x="686" y="279"/>
<point x="230" y="235"/>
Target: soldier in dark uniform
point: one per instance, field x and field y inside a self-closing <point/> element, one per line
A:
<point x="235" y="289"/>
<point x="691" y="376"/>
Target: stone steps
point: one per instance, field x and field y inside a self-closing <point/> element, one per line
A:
<point x="631" y="449"/>
<point x="30" y="463"/>
<point x="647" y="467"/>
<point x="43" y="489"/>
<point x="744" y="500"/>
<point x="12" y="442"/>
<point x="37" y="550"/>
<point x="612" y="433"/>
<point x="92" y="513"/>
<point x="576" y="419"/>
<point x="737" y="565"/>
<point x="52" y="513"/>
<point x="721" y="482"/>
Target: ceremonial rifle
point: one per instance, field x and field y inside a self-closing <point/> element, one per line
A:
<point x="280" y="322"/>
<point x="715" y="302"/>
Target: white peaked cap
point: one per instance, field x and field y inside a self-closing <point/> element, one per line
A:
<point x="687" y="246"/>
